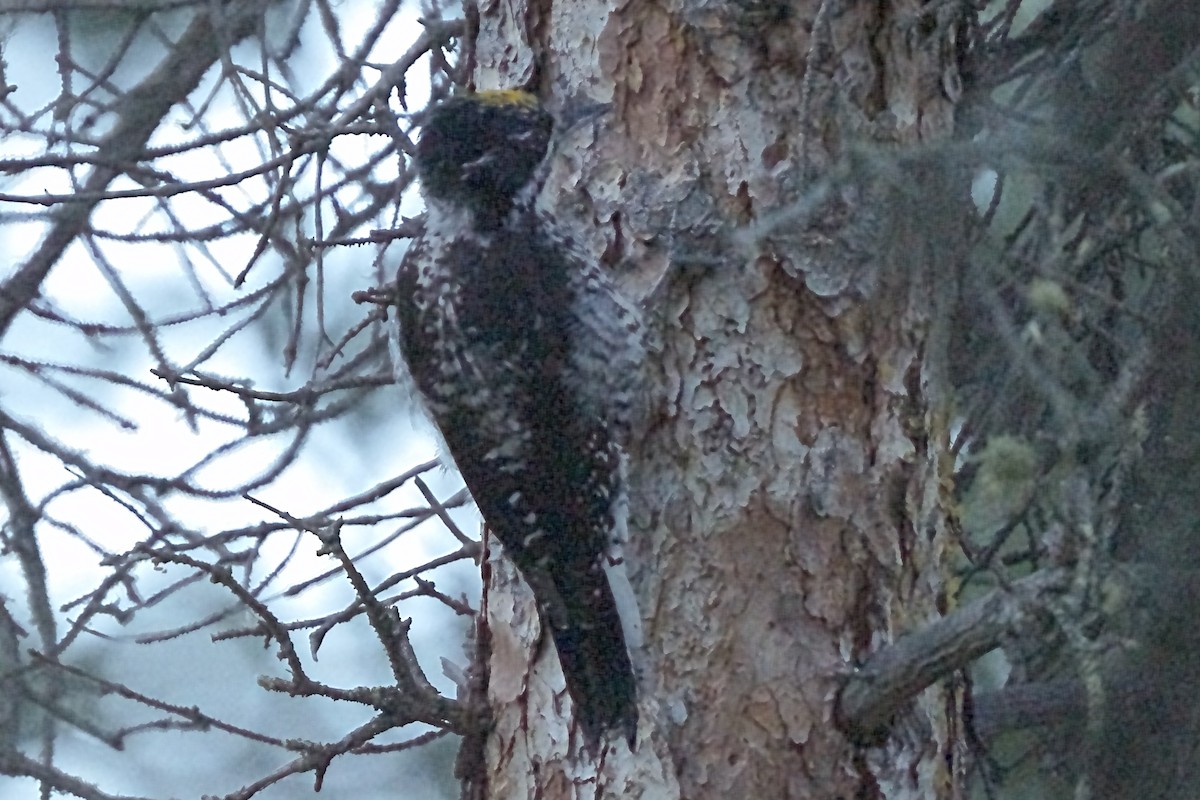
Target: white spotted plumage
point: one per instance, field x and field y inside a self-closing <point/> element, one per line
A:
<point x="529" y="363"/>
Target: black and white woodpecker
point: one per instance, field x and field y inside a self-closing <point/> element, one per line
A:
<point x="527" y="360"/>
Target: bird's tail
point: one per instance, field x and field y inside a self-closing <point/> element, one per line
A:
<point x="590" y="640"/>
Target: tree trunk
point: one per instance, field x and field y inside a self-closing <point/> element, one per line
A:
<point x="789" y="509"/>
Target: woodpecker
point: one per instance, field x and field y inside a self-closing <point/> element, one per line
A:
<point x="526" y="358"/>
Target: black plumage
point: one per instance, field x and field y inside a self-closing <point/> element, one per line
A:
<point x="527" y="360"/>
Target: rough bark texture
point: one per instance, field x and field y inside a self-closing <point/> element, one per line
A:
<point x="788" y="509"/>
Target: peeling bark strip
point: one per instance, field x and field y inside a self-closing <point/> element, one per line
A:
<point x="789" y="509"/>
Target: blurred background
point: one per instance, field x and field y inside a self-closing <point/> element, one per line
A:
<point x="187" y="385"/>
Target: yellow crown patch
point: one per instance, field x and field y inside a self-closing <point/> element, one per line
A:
<point x="507" y="97"/>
